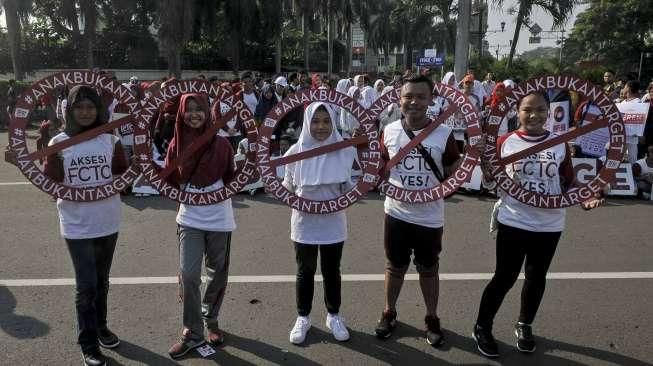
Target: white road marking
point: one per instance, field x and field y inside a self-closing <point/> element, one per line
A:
<point x="14" y="183"/>
<point x="345" y="278"/>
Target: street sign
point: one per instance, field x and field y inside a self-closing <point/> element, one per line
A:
<point x="534" y="40"/>
<point x="430" y="61"/>
<point x="535" y="29"/>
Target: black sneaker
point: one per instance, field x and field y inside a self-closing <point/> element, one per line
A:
<point x="485" y="341"/>
<point x="386" y="324"/>
<point x="107" y="338"/>
<point x="525" y="339"/>
<point x="94" y="357"/>
<point x="434" y="335"/>
<point x="185" y="344"/>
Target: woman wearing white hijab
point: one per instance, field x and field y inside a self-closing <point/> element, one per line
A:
<point x="369" y="96"/>
<point x="321" y="178"/>
<point x="347" y="121"/>
<point x="379" y="85"/>
<point x="359" y="81"/>
<point x="342" y="87"/>
<point x="391" y="113"/>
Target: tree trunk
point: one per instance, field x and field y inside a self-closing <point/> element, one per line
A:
<point x="349" y="49"/>
<point x="277" y="56"/>
<point x="90" y="61"/>
<point x="461" y="54"/>
<point x="329" y="40"/>
<point x="235" y="55"/>
<point x="515" y="37"/>
<point x="305" y="39"/>
<point x="387" y="56"/>
<point x="404" y="43"/>
<point x="174" y="61"/>
<point x="14" y="38"/>
<point x="89" y="12"/>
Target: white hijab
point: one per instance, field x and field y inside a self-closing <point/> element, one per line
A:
<point x="447" y="78"/>
<point x="356" y="80"/>
<point x="343" y="85"/>
<point x="377" y="83"/>
<point x="387" y="89"/>
<point x="509" y="83"/>
<point x="369" y="96"/>
<point x="330" y="168"/>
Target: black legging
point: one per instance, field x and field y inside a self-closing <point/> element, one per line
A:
<point x="513" y="246"/>
<point x="306" y="255"/>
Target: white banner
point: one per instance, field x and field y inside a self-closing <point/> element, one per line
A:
<point x="634" y="115"/>
<point x="475" y="181"/>
<point x="593" y="143"/>
<point x="624" y="185"/>
<point x="558" y="120"/>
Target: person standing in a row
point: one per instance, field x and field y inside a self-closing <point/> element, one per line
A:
<point x="90" y="229"/>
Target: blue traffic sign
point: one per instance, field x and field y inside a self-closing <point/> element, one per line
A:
<point x="430" y="61"/>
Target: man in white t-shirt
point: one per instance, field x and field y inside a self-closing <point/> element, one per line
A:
<point x="415" y="228"/>
<point x="248" y="93"/>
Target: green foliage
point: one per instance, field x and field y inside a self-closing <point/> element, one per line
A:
<point x="614" y="33"/>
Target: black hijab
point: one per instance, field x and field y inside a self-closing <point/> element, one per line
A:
<point x="77" y="94"/>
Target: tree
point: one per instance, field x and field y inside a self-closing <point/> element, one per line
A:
<point x="272" y="12"/>
<point x="413" y="18"/>
<point x="242" y="18"/>
<point x="559" y="10"/>
<point x="305" y="10"/>
<point x="539" y="53"/>
<point x="381" y="33"/>
<point x="16" y="12"/>
<point x="66" y="16"/>
<point x="174" y="19"/>
<point x="612" y="34"/>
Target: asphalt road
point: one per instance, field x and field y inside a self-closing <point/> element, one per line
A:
<point x="606" y="320"/>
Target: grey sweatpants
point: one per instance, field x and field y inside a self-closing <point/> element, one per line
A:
<point x="213" y="247"/>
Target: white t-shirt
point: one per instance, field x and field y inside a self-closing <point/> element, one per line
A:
<point x="216" y="217"/>
<point x="540" y="173"/>
<point x="412" y="172"/>
<point x="251" y="101"/>
<point x="317" y="229"/>
<point x="88" y="164"/>
<point x="224" y="109"/>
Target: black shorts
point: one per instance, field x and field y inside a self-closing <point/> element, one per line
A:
<point x="401" y="239"/>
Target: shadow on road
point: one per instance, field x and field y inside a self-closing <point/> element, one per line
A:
<point x="151" y="202"/>
<point x="389" y="351"/>
<point x="133" y="352"/>
<point x="18" y="326"/>
<point x="273" y="354"/>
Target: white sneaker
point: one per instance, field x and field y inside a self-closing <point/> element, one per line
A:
<point x="336" y="325"/>
<point x="298" y="332"/>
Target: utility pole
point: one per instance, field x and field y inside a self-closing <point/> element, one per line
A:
<point x="462" y="38"/>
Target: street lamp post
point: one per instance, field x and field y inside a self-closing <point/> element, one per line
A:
<point x="642" y="55"/>
<point x="481" y="34"/>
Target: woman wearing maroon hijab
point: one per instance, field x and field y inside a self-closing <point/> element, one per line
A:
<point x="204" y="231"/>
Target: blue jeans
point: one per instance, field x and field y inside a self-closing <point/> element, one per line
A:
<point x="92" y="261"/>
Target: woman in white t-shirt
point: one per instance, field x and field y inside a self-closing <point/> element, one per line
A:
<point x="204" y="231"/>
<point x="526" y="233"/>
<point x="320" y="178"/>
<point x="90" y="229"/>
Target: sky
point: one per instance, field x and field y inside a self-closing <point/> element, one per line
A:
<point x="496" y="16"/>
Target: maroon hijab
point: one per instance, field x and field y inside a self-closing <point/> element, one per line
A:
<point x="211" y="162"/>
